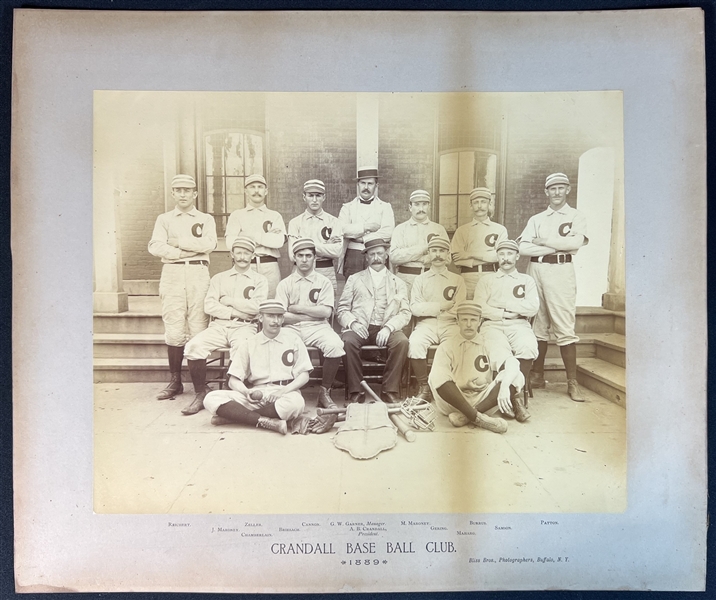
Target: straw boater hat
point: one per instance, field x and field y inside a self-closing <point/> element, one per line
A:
<point x="183" y="181"/>
<point x="372" y="240"/>
<point x="556" y="179"/>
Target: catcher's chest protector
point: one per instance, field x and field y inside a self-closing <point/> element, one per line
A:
<point x="366" y="431"/>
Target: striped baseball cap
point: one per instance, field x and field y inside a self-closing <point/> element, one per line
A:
<point x="183" y="181"/>
<point x="303" y="244"/>
<point x="419" y="195"/>
<point x="556" y="179"/>
<point x="256" y="178"/>
<point x="272" y="307"/>
<point x="468" y="307"/>
<point x="314" y="185"/>
<point x="480" y="192"/>
<point x="507" y="245"/>
<point x="244" y="242"/>
<point x="439" y="242"/>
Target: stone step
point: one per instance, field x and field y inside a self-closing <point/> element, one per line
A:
<point x="140" y="370"/>
<point x="604" y="378"/>
<point x="611" y="347"/>
<point x="620" y="323"/>
<point x="129" y="345"/>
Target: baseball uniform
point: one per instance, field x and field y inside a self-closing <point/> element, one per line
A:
<point x="315" y="290"/>
<point x="512" y="292"/>
<point x="247" y="290"/>
<point x="259" y="224"/>
<point x="476" y="239"/>
<point x="434" y="326"/>
<point x="264" y="363"/>
<point x="184" y="281"/>
<point x="553" y="272"/>
<point x="321" y="228"/>
<point x="470" y="365"/>
<point x="408" y="248"/>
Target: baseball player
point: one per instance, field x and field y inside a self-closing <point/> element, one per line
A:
<point x="409" y="245"/>
<point x="509" y="300"/>
<point x="309" y="300"/>
<point x="324" y="229"/>
<point x="461" y="378"/>
<point x="365" y="214"/>
<point x="263" y="226"/>
<point x="373" y="309"/>
<point x="434" y="298"/>
<point x="473" y="245"/>
<point x="552" y="238"/>
<point x="265" y="379"/>
<point x="233" y="303"/>
<point x="183" y="239"/>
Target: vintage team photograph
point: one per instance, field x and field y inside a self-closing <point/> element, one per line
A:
<point x="359" y="303"/>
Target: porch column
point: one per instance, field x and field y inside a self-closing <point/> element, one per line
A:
<point x="615" y="298"/>
<point x="367" y="130"/>
<point x="109" y="295"/>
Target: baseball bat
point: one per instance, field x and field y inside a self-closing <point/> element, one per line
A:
<point x="339" y="411"/>
<point x="370" y="391"/>
<point x="408" y="433"/>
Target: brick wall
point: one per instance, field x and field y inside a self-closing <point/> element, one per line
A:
<point x="406" y="147"/>
<point x="310" y="137"/>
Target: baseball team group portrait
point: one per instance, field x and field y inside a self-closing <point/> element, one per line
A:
<point x="353" y="303"/>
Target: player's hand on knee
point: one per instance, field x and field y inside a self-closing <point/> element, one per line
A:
<point x="381" y="338"/>
<point x="504" y="401"/>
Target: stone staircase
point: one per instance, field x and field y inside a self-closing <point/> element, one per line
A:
<point x="129" y="347"/>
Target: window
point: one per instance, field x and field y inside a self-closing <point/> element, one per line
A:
<point x="460" y="172"/>
<point x="230" y="157"/>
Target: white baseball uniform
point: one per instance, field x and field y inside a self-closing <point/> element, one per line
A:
<point x="476" y="238"/>
<point x="515" y="293"/>
<point x="353" y="217"/>
<point x="556" y="281"/>
<point x="434" y="326"/>
<point x="247" y="291"/>
<point x="184" y="281"/>
<point x="409" y="254"/>
<point x="258" y="223"/>
<point x="265" y="363"/>
<point x="321" y="228"/>
<point x="470" y="365"/>
<point x="313" y="290"/>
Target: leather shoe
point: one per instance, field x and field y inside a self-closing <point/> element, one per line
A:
<point x="355" y="398"/>
<point x="424" y="393"/>
<point x="537" y="380"/>
<point x="391" y="398"/>
<point x="196" y="406"/>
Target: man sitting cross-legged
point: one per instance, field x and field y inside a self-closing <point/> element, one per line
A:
<point x="461" y="378"/>
<point x="265" y="377"/>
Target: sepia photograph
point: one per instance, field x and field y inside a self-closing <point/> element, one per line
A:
<point x="337" y="301"/>
<point x="359" y="303"/>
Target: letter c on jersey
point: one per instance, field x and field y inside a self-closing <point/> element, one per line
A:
<point x="519" y="291"/>
<point x="267" y="226"/>
<point x="249" y="292"/>
<point x="288" y="358"/>
<point x="326" y="233"/>
<point x="449" y="292"/>
<point x="197" y="229"/>
<point x="313" y="295"/>
<point x="490" y="240"/>
<point x="564" y="229"/>
<point x="481" y="363"/>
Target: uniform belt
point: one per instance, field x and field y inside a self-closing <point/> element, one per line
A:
<point x="509" y="319"/>
<point x="322" y="263"/>
<point x="410" y="270"/>
<point x="190" y="262"/>
<point x="242" y="320"/>
<point x="264" y="259"/>
<point x="282" y="382"/>
<point x="491" y="267"/>
<point x="554" y="259"/>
